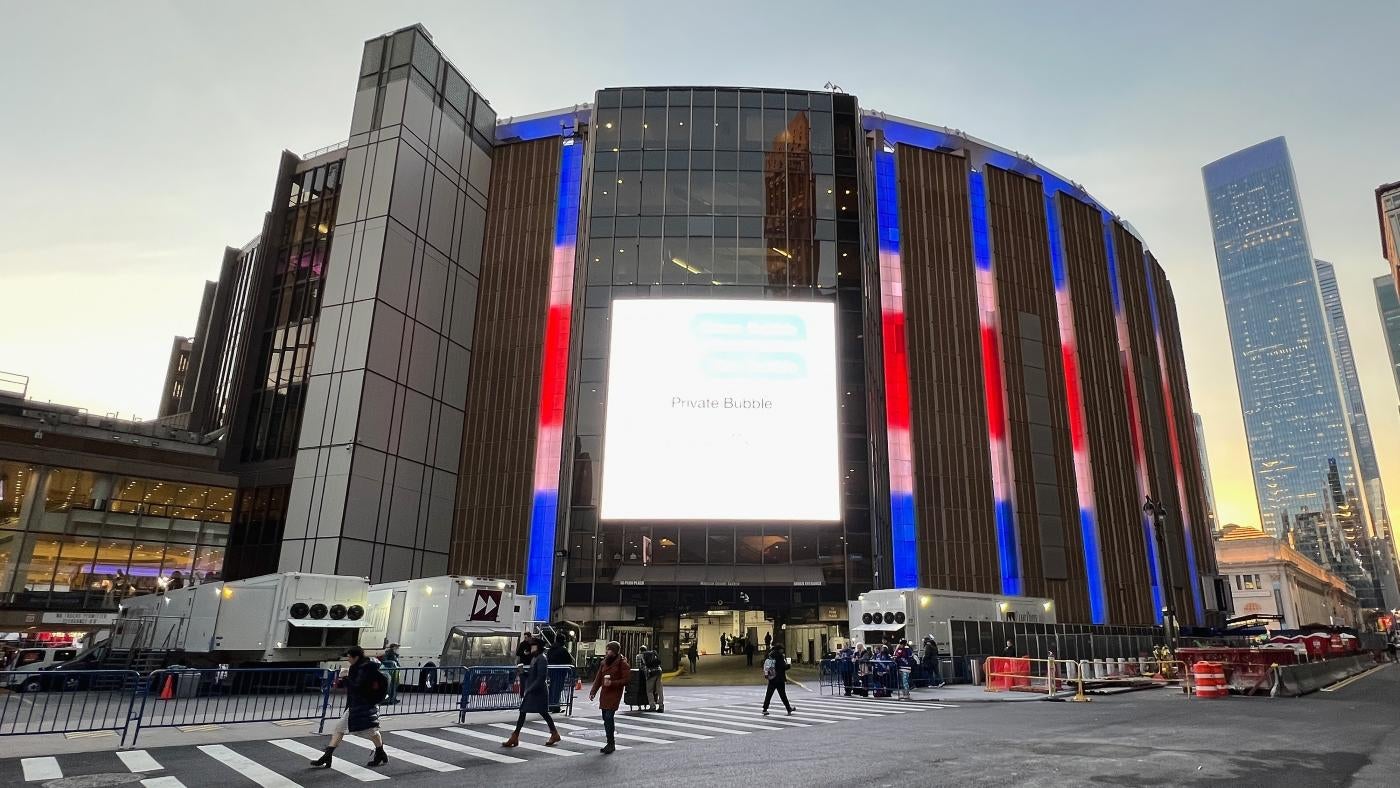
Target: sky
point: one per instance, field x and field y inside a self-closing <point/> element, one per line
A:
<point x="138" y="139"/>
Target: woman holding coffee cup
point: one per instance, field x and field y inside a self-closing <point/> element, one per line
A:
<point x="611" y="678"/>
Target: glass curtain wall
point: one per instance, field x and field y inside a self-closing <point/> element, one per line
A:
<point x="698" y="193"/>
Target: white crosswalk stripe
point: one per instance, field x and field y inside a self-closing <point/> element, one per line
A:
<point x="627" y="736"/>
<point x="458" y="747"/>
<point x="545" y="734"/>
<point x="453" y="745"/>
<point x="655" y="720"/>
<point x="403" y="755"/>
<point x="253" y="771"/>
<point x="525" y="745"/>
<point x="138" y="761"/>
<point x="338" y="764"/>
<point x="722" y="719"/>
<point x="778" y="718"/>
<point x="36" y="769"/>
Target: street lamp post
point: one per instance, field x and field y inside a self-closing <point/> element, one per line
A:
<point x="1158" y="512"/>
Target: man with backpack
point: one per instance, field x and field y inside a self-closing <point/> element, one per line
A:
<point x="651" y="664"/>
<point x="775" y="669"/>
<point x="366" y="687"/>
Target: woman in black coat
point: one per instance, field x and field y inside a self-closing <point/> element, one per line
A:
<point x="365" y="684"/>
<point x="534" y="697"/>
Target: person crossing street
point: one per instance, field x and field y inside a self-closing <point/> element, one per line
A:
<point x="611" y="678"/>
<point x="775" y="669"/>
<point x="365" y="688"/>
<point x="651" y="664"/>
<point x="534" y="696"/>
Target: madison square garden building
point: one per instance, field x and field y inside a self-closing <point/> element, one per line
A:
<point x="692" y="349"/>
<point x="760" y="349"/>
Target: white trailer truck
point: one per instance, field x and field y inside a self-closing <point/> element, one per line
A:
<point x="448" y="621"/>
<point x="288" y="619"/>
<point x="912" y="613"/>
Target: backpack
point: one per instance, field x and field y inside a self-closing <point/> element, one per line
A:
<point x="374" y="688"/>
<point x="653" y="663"/>
<point x="770" y="668"/>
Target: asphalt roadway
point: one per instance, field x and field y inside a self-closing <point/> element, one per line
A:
<point x="1347" y="736"/>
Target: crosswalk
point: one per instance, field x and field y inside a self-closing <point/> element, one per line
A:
<point x="283" y="763"/>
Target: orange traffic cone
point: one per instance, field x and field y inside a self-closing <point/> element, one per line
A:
<point x="578" y="684"/>
<point x="481" y="688"/>
<point x="167" y="690"/>
<point x="515" y="686"/>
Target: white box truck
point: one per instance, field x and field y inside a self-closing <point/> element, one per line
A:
<point x="911" y="613"/>
<point x="448" y="621"/>
<point x="290" y="618"/>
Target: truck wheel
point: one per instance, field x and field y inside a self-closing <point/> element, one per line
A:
<point x="32" y="685"/>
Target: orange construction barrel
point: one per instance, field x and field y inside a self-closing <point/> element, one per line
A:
<point x="1210" y="680"/>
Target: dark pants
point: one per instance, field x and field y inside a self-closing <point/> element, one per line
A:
<point x="750" y="656"/>
<point x="520" y="721"/>
<point x="692" y="664"/>
<point x="776" y="685"/>
<point x="609" y="725"/>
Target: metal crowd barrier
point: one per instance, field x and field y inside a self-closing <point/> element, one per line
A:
<point x="67" y="701"/>
<point x="124" y="702"/>
<point x="188" y="697"/>
<point x="1054" y="675"/>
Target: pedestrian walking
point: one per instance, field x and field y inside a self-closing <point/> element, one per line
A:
<point x="904" y="659"/>
<point x="561" y="673"/>
<point x="365" y="688"/>
<point x="768" y="642"/>
<point x="534" y="697"/>
<point x="612" y="676"/>
<point x="723" y="643"/>
<point x="651" y="666"/>
<point x="775" y="669"/>
<point x="935" y="679"/>
<point x="389" y="661"/>
<point x="748" y="650"/>
<point x="693" y="654"/>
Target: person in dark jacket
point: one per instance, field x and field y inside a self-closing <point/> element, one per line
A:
<point x="364" y="686"/>
<point x="561" y="673"/>
<point x="534" y="697"/>
<point x="522" y="651"/>
<point x="693" y="654"/>
<point x="613" y="675"/>
<point x="935" y="679"/>
<point x="775" y="669"/>
<point x="389" y="663"/>
<point x="749" y="650"/>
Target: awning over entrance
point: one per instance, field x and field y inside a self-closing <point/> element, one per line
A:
<point x="719" y="576"/>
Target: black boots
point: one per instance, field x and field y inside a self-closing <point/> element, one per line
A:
<point x="609" y="749"/>
<point x="324" y="762"/>
<point x="380" y="758"/>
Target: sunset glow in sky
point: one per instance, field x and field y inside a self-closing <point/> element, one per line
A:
<point x="140" y="140"/>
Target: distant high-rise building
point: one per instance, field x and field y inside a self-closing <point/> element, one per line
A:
<point x="1212" y="513"/>
<point x="1388" y="210"/>
<point x="1372" y="492"/>
<point x="1295" y="413"/>
<point x="1389" y="305"/>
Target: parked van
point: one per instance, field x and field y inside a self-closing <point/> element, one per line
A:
<point x="27" y="660"/>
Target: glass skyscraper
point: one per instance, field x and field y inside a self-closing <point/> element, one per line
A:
<point x="1295" y="416"/>
<point x="1374" y="494"/>
<point x="1389" y="305"/>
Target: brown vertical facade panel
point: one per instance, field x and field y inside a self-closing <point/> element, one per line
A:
<point x="952" y="471"/>
<point x="1107" y="425"/>
<point x="1202" y="540"/>
<point x="1137" y="306"/>
<point x="1046" y="506"/>
<point x="496" y="491"/>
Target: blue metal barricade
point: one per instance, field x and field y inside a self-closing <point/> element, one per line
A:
<point x="181" y="697"/>
<point x="43" y="701"/>
<point x="409" y="694"/>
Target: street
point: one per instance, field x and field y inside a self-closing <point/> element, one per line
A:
<point x="1349" y="736"/>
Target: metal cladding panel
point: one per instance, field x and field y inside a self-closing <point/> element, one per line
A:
<point x="1033" y="372"/>
<point x="495" y="495"/>
<point x="1108" y="426"/>
<point x="952" y="480"/>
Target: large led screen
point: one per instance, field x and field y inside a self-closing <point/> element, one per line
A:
<point x="721" y="410"/>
